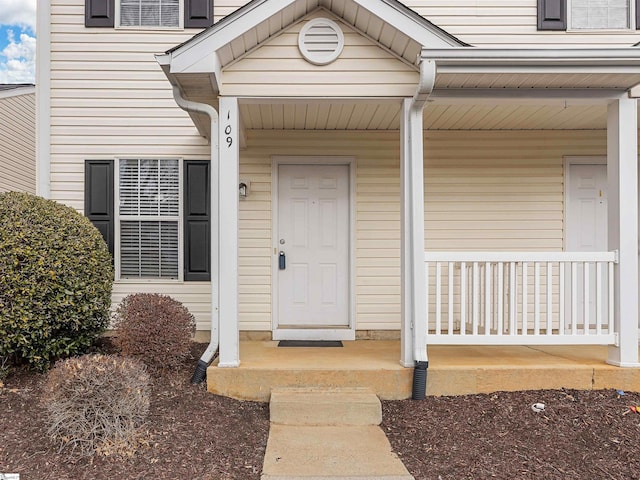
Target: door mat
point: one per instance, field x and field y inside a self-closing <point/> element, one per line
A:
<point x="310" y="343"/>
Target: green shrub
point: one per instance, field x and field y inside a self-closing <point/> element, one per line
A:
<point x="97" y="404"/>
<point x="156" y="328"/>
<point x="55" y="280"/>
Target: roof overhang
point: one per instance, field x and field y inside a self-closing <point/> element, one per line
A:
<point x="534" y="72"/>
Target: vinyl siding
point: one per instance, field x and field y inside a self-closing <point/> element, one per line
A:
<point x="363" y="68"/>
<point x="17" y="143"/>
<point x="109" y="98"/>
<point x="483" y="191"/>
<point x="490" y="23"/>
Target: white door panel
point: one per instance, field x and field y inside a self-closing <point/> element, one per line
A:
<point x="586" y="227"/>
<point x="313" y="234"/>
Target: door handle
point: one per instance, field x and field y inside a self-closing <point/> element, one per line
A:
<point x="282" y="261"/>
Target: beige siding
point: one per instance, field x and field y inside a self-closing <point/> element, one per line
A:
<point x="109" y="98"/>
<point x="17" y="143"/>
<point x="363" y="69"/>
<point x="508" y="23"/>
<point x="490" y="23"/>
<point x="484" y="191"/>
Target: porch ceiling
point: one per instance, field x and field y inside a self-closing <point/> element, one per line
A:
<point x="438" y="115"/>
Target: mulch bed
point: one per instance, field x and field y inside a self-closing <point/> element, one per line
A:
<point x="197" y="435"/>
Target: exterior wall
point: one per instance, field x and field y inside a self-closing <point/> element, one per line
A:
<point x="109" y="98"/>
<point x="491" y="23"/>
<point x="484" y="191"/>
<point x="362" y="69"/>
<point x="17" y="142"/>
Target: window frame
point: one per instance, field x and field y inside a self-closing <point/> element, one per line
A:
<point x="159" y="218"/>
<point x="118" y="26"/>
<point x="631" y="17"/>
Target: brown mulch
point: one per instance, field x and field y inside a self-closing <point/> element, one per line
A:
<point x="194" y="434"/>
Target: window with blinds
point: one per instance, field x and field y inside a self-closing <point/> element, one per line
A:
<point x="150" y="13"/>
<point x="600" y="14"/>
<point x="149" y="218"/>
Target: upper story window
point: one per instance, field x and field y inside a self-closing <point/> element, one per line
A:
<point x="150" y="13"/>
<point x="600" y="14"/>
<point x="588" y="15"/>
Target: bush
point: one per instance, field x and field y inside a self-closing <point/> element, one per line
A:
<point x="97" y="404"/>
<point x="156" y="328"/>
<point x="55" y="280"/>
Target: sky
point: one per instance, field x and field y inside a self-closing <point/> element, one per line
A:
<point x="17" y="41"/>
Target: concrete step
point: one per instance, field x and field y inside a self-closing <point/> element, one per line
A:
<point x="330" y="452"/>
<point x="334" y="406"/>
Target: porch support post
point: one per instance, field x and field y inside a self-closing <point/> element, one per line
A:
<point x="413" y="288"/>
<point x="622" y="175"/>
<point x="228" y="232"/>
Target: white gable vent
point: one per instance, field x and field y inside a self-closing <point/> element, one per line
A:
<point x="321" y="41"/>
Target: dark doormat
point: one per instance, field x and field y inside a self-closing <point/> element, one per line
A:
<point x="310" y="343"/>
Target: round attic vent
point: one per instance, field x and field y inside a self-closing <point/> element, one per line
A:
<point x="321" y="41"/>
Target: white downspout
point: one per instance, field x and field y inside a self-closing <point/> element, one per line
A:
<point x="206" y="358"/>
<point x="418" y="305"/>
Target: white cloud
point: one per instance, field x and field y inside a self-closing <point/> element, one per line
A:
<point x="18" y="12"/>
<point x="18" y="59"/>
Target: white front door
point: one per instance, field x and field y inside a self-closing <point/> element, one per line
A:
<point x="312" y="242"/>
<point x="586" y="224"/>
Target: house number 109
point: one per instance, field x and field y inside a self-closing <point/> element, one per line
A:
<point x="227" y="132"/>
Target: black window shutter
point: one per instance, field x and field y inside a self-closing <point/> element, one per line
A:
<point x="552" y="14"/>
<point x="98" y="197"/>
<point x="197" y="220"/>
<point x="198" y="13"/>
<point x="99" y="13"/>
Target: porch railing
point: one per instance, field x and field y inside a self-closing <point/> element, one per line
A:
<point x="520" y="298"/>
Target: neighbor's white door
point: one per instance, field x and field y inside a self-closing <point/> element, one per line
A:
<point x="586" y="227"/>
<point x="313" y="235"/>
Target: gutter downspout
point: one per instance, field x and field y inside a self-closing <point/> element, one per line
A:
<point x="187" y="105"/>
<point x="425" y="87"/>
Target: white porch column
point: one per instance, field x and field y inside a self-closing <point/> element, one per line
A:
<point x="412" y="233"/>
<point x="622" y="174"/>
<point x="229" y="350"/>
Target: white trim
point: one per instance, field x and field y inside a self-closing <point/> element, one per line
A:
<point x="180" y="26"/>
<point x="43" y="100"/>
<point x="475" y="257"/>
<point x="348" y="333"/>
<point x="567" y="162"/>
<point x="18" y="91"/>
<point x="118" y="218"/>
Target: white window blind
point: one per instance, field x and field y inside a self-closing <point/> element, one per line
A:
<point x="149" y="216"/>
<point x="600" y="14"/>
<point x="149" y="13"/>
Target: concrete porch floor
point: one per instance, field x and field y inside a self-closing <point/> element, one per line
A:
<point x="453" y="370"/>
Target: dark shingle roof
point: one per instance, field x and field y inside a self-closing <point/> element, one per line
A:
<point x="12" y="86"/>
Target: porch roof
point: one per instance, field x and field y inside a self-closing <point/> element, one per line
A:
<point x="541" y="88"/>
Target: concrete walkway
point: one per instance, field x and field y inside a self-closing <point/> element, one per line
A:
<point x="318" y="434"/>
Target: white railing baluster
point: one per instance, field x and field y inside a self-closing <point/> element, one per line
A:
<point x="476" y="298"/>
<point x="574" y="298"/>
<point x="450" y="326"/>
<point x="561" y="287"/>
<point x="599" y="299"/>
<point x="525" y="297"/>
<point x="610" y="323"/>
<point x="513" y="299"/>
<point x="438" y="297"/>
<point x="487" y="298"/>
<point x="500" y="299"/>
<point x="463" y="297"/>
<point x="536" y="298"/>
<point x="586" y="287"/>
<point x="549" y="298"/>
<point x="426" y="281"/>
